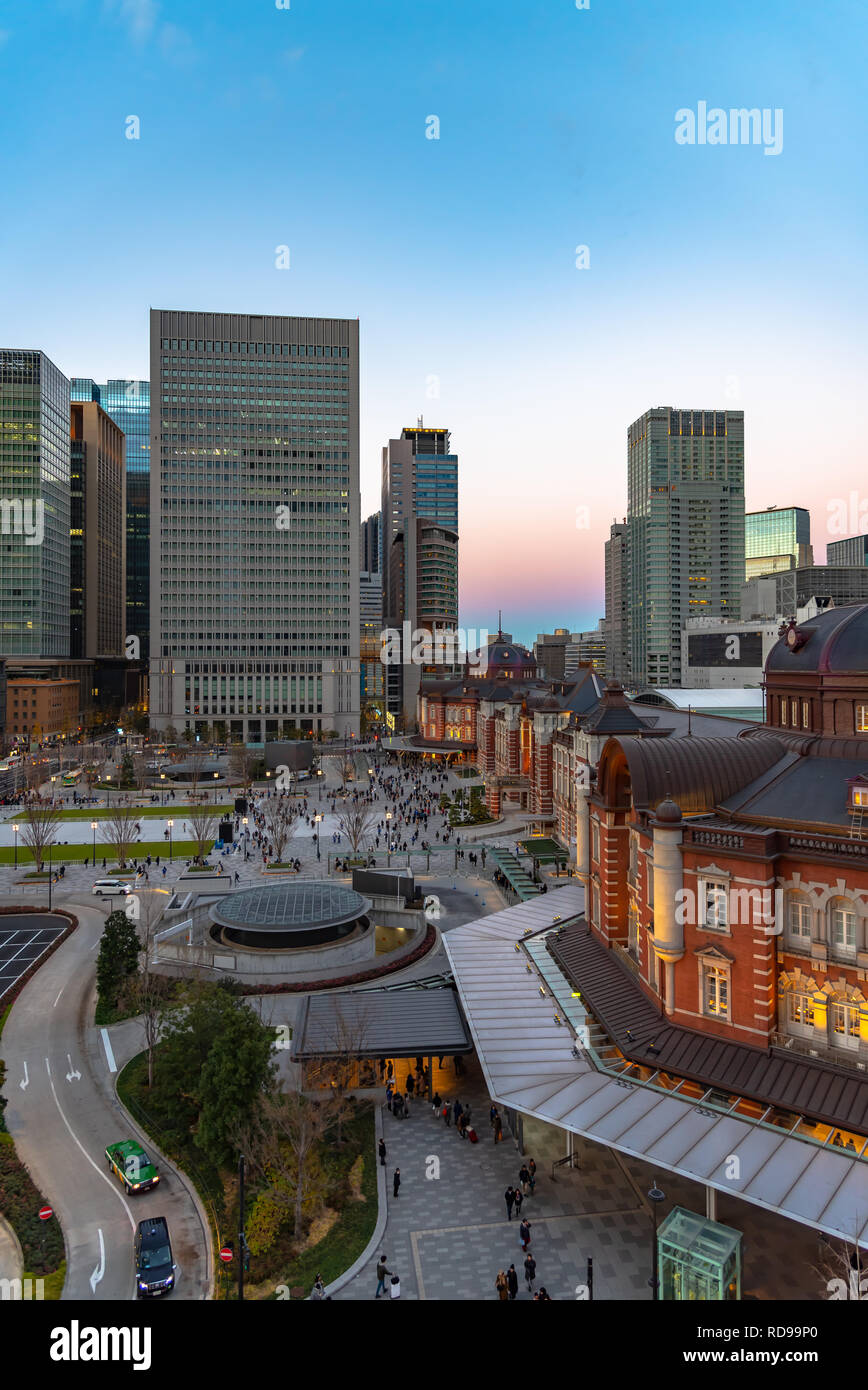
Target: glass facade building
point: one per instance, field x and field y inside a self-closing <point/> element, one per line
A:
<point x="254" y="524"/>
<point x="685" y="541"/>
<point x="35" y="503"/>
<point x="852" y="551"/>
<point x="778" y="538"/>
<point x="128" y="402"/>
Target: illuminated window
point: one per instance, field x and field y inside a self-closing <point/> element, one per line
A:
<point x="862" y="719"/>
<point x="715" y="990"/>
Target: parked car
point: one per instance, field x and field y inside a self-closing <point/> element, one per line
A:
<point x="155" y="1270"/>
<point x="110" y="888"/>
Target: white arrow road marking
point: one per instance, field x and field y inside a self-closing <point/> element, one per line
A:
<point x="109" y="1055"/>
<point x="25" y="1083"/>
<point x="72" y="1074"/>
<point x="62" y="988"/>
<point x="98" y="1273"/>
<point x="99" y="1172"/>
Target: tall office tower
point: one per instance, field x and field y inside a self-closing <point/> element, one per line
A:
<point x="586" y="649"/>
<point x="778" y="538"/>
<point x="371" y="544"/>
<point x="254" y="523"/>
<point x="419" y="482"/>
<point x="685" y="514"/>
<point x="550" y="650"/>
<point x="128" y="402"/>
<point x="371" y="669"/>
<point x="35" y="503"/>
<point x="97" y="607"/>
<point x="617" y="624"/>
<point x="423" y="577"/>
<point x="852" y="551"/>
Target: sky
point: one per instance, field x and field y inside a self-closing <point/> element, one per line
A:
<point x="715" y="275"/>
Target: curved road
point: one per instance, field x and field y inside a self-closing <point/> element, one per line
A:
<point x="62" y="1111"/>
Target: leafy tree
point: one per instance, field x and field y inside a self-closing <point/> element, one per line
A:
<point x="118" y="957"/>
<point x="128" y="771"/>
<point x="238" y="1072"/>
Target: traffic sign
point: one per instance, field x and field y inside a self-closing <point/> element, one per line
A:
<point x="46" y="1213"/>
<point x="226" y="1254"/>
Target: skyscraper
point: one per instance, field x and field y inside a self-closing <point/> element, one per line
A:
<point x="371" y="544"/>
<point x="255" y="523"/>
<point x="778" y="538"/>
<point x="97" y="533"/>
<point x="852" y="551"/>
<point x="129" y="405"/>
<point x="35" y="502"/>
<point x="685" y="518"/>
<point x="617" y="625"/>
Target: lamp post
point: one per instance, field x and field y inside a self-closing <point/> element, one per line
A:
<point x="50" y="875"/>
<point x="53" y="780"/>
<point x="316" y="820"/>
<point x="244" y="822"/>
<point x="656" y="1197"/>
<point x="162" y="789"/>
<point x="93" y="825"/>
<point x="170" y="824"/>
<point x="15" y="828"/>
<point x="216" y="775"/>
<point x="388" y="839"/>
<point x="319" y="783"/>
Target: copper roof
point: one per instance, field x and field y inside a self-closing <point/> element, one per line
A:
<point x="698" y="773"/>
<point x="823" y="1092"/>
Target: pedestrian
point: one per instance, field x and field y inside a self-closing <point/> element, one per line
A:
<point x="410" y="1083"/>
<point x="543" y="1296"/>
<point x="389" y="1095"/>
<point x="529" y="1272"/>
<point x="456" y="1109"/>
<point x="447" y="1113"/>
<point x="512" y="1281"/>
<point x="524" y="1178"/>
<point x="396" y="1182"/>
<point x="531" y="1168"/>
<point x="524" y="1233"/>
<point x="405" y="1113"/>
<point x="492" y="1115"/>
<point x="501" y="1285"/>
<point x="382" y="1271"/>
<point x="517" y="1194"/>
<point x="498" y="1129"/>
<point x="318" y="1290"/>
<point x="436" y="1102"/>
<point x="509" y="1198"/>
<point x="382" y="1153"/>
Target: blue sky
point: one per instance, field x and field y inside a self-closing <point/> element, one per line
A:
<point x="718" y="276"/>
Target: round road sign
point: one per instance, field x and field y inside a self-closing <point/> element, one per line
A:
<point x="226" y="1254"/>
<point x="45" y="1213"/>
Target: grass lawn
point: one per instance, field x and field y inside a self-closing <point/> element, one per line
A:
<point x="76" y="854"/>
<point x="169" y="812"/>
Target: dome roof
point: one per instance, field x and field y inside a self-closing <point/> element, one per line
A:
<point x="833" y="643"/>
<point x="505" y="658"/>
<point x="668" y="812"/>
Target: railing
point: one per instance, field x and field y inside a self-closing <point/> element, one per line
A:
<point x="789" y="1043"/>
<point x="624" y="955"/>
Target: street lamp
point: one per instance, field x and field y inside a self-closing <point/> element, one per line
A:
<point x="319" y="783"/>
<point x="244" y="822"/>
<point x="388" y="839"/>
<point x="15" y="828"/>
<point x="316" y="820"/>
<point x="93" y="828"/>
<point x="170" y="824"/>
<point x="655" y="1197"/>
<point x="53" y="780"/>
<point x="216" y="775"/>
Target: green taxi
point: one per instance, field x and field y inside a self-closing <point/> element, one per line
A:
<point x="129" y="1162"/>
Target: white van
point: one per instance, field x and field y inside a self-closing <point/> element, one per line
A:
<point x="110" y="887"/>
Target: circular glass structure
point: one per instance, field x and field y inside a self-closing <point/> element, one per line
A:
<point x="280" y="916"/>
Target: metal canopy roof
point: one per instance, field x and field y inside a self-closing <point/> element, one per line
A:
<point x="381" y="1023"/>
<point x="528" y="1062"/>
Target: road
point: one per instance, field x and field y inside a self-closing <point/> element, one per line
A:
<point x="63" y="1111"/>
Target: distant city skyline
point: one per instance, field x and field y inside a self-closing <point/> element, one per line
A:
<point x="751" y="296"/>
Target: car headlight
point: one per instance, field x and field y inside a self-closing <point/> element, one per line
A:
<point x="141" y="1285"/>
<point x="136" y="1186"/>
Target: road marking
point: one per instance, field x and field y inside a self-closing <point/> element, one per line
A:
<point x="72" y="1074"/>
<point x="25" y="1083"/>
<point x="75" y="1139"/>
<point x="96" y="1277"/>
<point x="109" y="1055"/>
<point x="62" y="988"/>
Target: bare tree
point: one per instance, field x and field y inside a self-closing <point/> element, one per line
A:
<point x="39" y="826"/>
<point x="146" y="992"/>
<point x="140" y="771"/>
<point x="195" y="763"/>
<point x="280" y="816"/>
<point x="118" y="829"/>
<point x="356" y="822"/>
<point x="240" y="763"/>
<point x="282" y="1143"/>
<point x="348" y="1037"/>
<point x="203" y="823"/>
<point x="843" y="1269"/>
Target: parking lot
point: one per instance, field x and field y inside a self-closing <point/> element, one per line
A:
<point x="22" y="941"/>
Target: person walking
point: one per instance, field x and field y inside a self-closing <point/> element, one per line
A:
<point x="524" y="1178"/>
<point x="529" y="1272"/>
<point x="543" y="1296"/>
<point x="447" y="1113"/>
<point x="531" y="1168"/>
<point x="382" y="1152"/>
<point x="512" y="1281"/>
<point x="524" y="1234"/>
<point x="456" y="1110"/>
<point x="382" y="1271"/>
<point x="509" y="1198"/>
<point x="396" y="1182"/>
<point x="492" y="1115"/>
<point x="501" y="1285"/>
<point x="318" y="1290"/>
<point x="498" y="1129"/>
<point x="389" y="1095"/>
<point x="518" y="1198"/>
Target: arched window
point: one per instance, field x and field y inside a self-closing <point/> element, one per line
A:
<point x="800" y="920"/>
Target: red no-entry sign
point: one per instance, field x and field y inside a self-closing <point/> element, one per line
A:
<point x="45" y="1213"/>
<point x="226" y="1254"/>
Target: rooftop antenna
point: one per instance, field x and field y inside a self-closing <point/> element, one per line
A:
<point x="689" y="720"/>
<point x="500" y="623"/>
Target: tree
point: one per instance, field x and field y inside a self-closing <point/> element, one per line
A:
<point x="203" y="824"/>
<point x="195" y="763"/>
<point x="127" y="777"/>
<point x="280" y="816"/>
<point x="39" y="826"/>
<point x="170" y="735"/>
<point x="283" y="1141"/>
<point x="843" y="1269"/>
<point x="235" y="1077"/>
<point x="118" y="829"/>
<point x="240" y="763"/>
<point x="146" y="992"/>
<point x="356" y="822"/>
<point x="118" y="957"/>
<point x="140" y="771"/>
